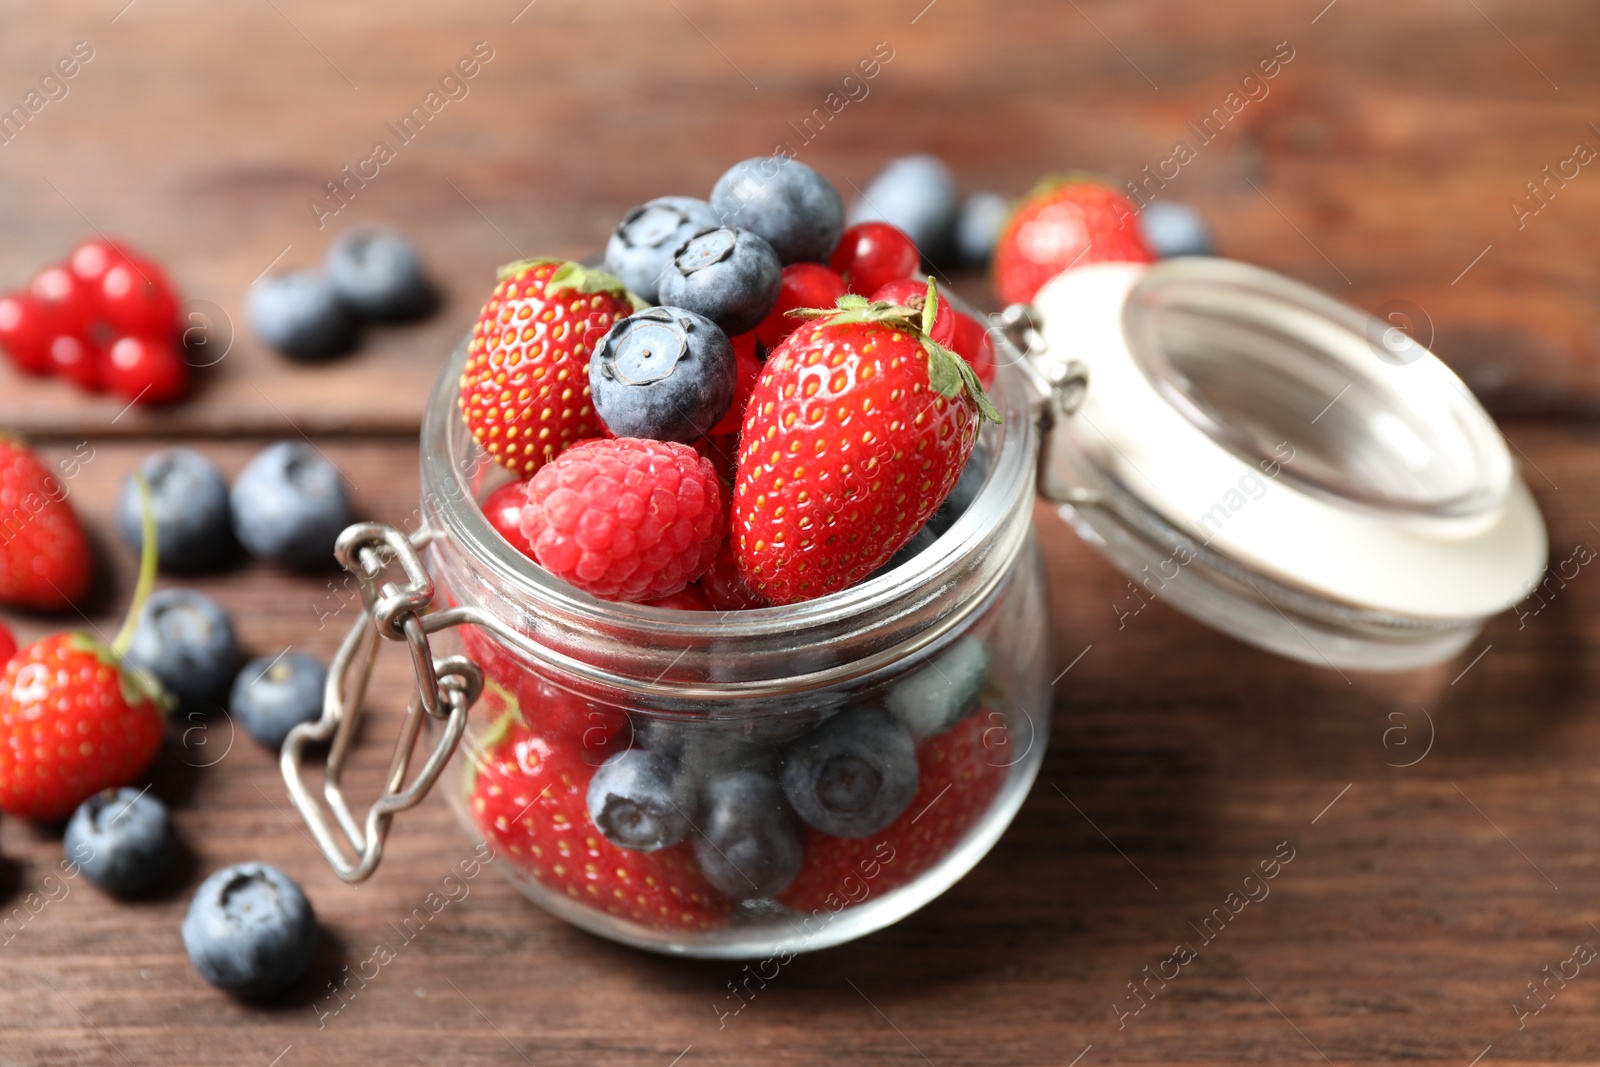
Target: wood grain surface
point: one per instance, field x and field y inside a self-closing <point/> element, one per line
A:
<point x="1442" y="823"/>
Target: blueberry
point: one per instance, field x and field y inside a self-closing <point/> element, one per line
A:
<point x="189" y="502"/>
<point x="632" y="801"/>
<point x="729" y="275"/>
<point x="274" y="694"/>
<point x="289" y="505"/>
<point x="300" y="314"/>
<point x="983" y="216"/>
<point x="917" y="195"/>
<point x="936" y="697"/>
<point x="642" y="244"/>
<point x="749" y="845"/>
<point x="121" y="839"/>
<point x="185" y="640"/>
<point x="378" y="273"/>
<point x="250" y="930"/>
<point x="853" y="775"/>
<point x="784" y="201"/>
<point x="966" y="490"/>
<point x="1174" y="230"/>
<point x="663" y="373"/>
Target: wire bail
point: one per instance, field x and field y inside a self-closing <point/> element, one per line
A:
<point x="446" y="689"/>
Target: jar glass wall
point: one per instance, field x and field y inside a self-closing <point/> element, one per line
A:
<point x="949" y="650"/>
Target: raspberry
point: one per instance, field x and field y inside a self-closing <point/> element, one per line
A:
<point x="625" y="519"/>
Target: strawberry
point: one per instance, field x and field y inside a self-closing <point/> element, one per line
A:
<point x="73" y="719"/>
<point x="529" y="797"/>
<point x="8" y="645"/>
<point x="525" y="386"/>
<point x="1064" y="222"/>
<point x="45" y="561"/>
<point x="960" y="770"/>
<point x="854" y="435"/>
<point x="598" y="731"/>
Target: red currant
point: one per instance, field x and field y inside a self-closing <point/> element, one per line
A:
<point x="748" y="371"/>
<point x="66" y="305"/>
<point x="873" y="254"/>
<point x="972" y="343"/>
<point x="805" y="285"/>
<point x="91" y="259"/>
<point x="136" y="299"/>
<point x="77" y="360"/>
<point x="908" y="292"/>
<point x="23" y="333"/>
<point x="503" y="509"/>
<point x="146" y="369"/>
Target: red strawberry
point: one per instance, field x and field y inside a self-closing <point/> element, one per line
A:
<point x="525" y="386"/>
<point x="595" y="729"/>
<point x="855" y="434"/>
<point x="529" y="797"/>
<point x="8" y="645"/>
<point x="45" y="560"/>
<point x="961" y="771"/>
<point x="73" y="721"/>
<point x="1064" y="222"/>
<point x="625" y="519"/>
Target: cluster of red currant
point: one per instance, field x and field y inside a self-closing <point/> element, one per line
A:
<point x="106" y="319"/>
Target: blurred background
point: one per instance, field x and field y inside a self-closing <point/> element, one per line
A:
<point x="1381" y="163"/>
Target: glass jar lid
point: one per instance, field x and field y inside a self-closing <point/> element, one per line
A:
<point x="1258" y="453"/>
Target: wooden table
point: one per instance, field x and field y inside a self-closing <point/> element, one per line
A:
<point x="1442" y="822"/>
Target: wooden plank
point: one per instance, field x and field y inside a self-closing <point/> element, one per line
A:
<point x="1419" y="901"/>
<point x="1369" y="168"/>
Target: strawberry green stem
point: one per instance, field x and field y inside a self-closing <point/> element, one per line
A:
<point x="148" y="558"/>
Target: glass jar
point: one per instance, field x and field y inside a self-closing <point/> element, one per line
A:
<point x="948" y="649"/>
<point x="1158" y="395"/>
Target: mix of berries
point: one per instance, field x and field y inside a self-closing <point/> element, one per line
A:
<point x="750" y="405"/>
<point x="105" y="319"/>
<point x="81" y="719"/>
<point x="833" y="395"/>
<point x="759" y="400"/>
<point x="672" y="825"/>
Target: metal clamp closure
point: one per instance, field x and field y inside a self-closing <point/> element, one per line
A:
<point x="446" y="689"/>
